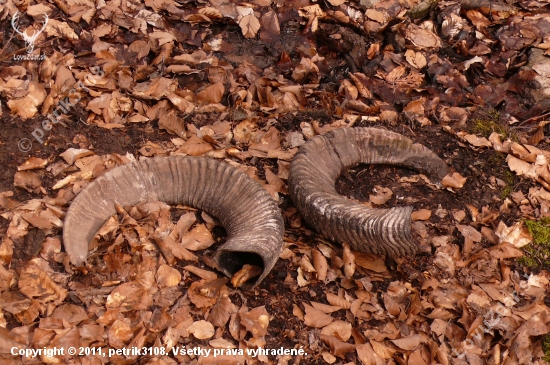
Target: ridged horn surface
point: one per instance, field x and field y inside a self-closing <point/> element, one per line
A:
<point x="251" y="218"/>
<point x="319" y="162"/>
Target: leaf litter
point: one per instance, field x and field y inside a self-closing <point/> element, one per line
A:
<point x="249" y="83"/>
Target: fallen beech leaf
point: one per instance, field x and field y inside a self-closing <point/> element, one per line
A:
<point x="454" y="180"/>
<point x="27" y="180"/>
<point x="71" y="313"/>
<point x="256" y="321"/>
<point x="199" y="238"/>
<point x="32" y="163"/>
<point x="36" y="283"/>
<point x="337" y="348"/>
<point x="382" y="195"/>
<point x="196" y="146"/>
<point x="408" y="343"/>
<point x="222" y="311"/>
<point x="73" y="154"/>
<point x="421" y="215"/>
<point x="337" y="301"/>
<point x="26" y="107"/>
<point x="246" y="273"/>
<point x="212" y="94"/>
<point x="517" y="235"/>
<point x="349" y="261"/>
<point x="203" y="274"/>
<point x="198" y="297"/>
<point x="382" y="350"/>
<point x="202" y="330"/>
<point x="521" y="167"/>
<point x="469" y="232"/>
<point x="129" y="296"/>
<point x="320" y="264"/>
<point x="477" y="141"/>
<point x="339" y="329"/>
<point x="505" y="250"/>
<point x="167" y="276"/>
<point x="250" y="25"/>
<point x="316" y="318"/>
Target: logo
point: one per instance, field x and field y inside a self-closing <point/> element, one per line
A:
<point x="29" y="39"/>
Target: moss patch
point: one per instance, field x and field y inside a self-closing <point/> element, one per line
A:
<point x="537" y="254"/>
<point x="546" y="348"/>
<point x="487" y="121"/>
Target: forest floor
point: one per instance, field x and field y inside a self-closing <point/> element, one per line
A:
<point x="248" y="83"/>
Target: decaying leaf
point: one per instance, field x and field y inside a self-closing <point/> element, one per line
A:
<point x="454" y="180"/>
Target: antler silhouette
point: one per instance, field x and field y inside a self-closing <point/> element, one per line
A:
<point x="29" y="39"/>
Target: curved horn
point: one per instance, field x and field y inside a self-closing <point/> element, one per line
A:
<point x="319" y="162"/>
<point x="252" y="219"/>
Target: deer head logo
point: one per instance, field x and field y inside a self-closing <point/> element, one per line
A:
<point x="29" y="39"/>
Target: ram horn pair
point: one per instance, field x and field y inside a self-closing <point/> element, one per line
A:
<point x="250" y="217"/>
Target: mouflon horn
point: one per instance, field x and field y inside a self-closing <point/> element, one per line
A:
<point x="250" y="216"/>
<point x="319" y="162"/>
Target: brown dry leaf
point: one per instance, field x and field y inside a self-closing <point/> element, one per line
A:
<point x="197" y="297"/>
<point x="408" y="343"/>
<point x="422" y="38"/>
<point x="416" y="59"/>
<point x="367" y="356"/>
<point x="337" y="348"/>
<point x="477" y="141"/>
<point x="360" y="81"/>
<point x="198" y="238"/>
<point x="255" y="321"/>
<point x="246" y="273"/>
<point x="382" y="195"/>
<point x="336" y="2"/>
<point x="195" y="146"/>
<point x="250" y="25"/>
<point x="339" y="329"/>
<point x="129" y="296"/>
<point x="26" y="107"/>
<point x="212" y="94"/>
<point x="222" y="311"/>
<point x="316" y="318"/>
<point x="71" y="313"/>
<point x="335" y="300"/>
<point x="167" y="276"/>
<point x="203" y="274"/>
<point x="270" y="22"/>
<point x="32" y="163"/>
<point x="37" y="284"/>
<point x="520" y="167"/>
<point x="154" y="89"/>
<point x="382" y="350"/>
<point x="375" y="15"/>
<point x="421" y="215"/>
<point x="202" y="330"/>
<point x="454" y="180"/>
<point x="27" y="180"/>
<point x="370" y="262"/>
<point x="173" y="124"/>
<point x="349" y="261"/>
<point x="517" y="234"/>
<point x="73" y="154"/>
<point x="320" y="264"/>
<point x="505" y="250"/>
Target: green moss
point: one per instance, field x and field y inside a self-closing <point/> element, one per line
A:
<point x="537" y="254"/>
<point x="546" y="347"/>
<point x="486" y="121"/>
<point x="507" y="189"/>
